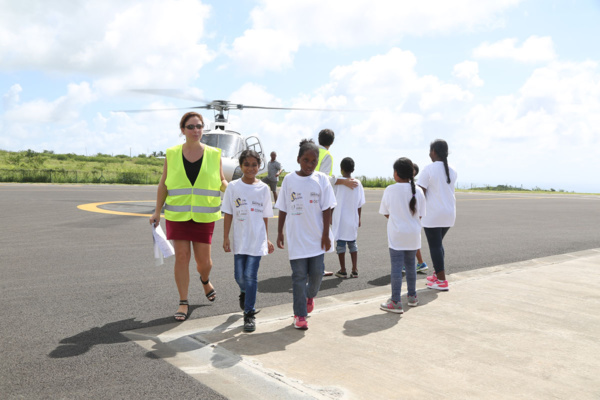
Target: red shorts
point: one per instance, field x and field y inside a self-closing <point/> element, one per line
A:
<point x="189" y="230"/>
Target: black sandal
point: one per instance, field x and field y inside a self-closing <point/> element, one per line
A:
<point x="179" y="315"/>
<point x="212" y="295"/>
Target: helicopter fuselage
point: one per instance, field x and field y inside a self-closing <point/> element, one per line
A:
<point x="232" y="144"/>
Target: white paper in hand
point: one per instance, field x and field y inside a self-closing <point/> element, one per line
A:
<point x="162" y="247"/>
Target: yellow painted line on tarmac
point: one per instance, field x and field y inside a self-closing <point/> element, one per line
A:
<point x="94" y="207"/>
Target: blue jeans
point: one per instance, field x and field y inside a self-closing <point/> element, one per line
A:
<point x="341" y="246"/>
<point x="246" y="276"/>
<point x="407" y="259"/>
<point x="307" y="274"/>
<point x="436" y="248"/>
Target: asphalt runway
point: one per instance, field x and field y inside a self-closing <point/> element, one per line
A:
<point x="72" y="279"/>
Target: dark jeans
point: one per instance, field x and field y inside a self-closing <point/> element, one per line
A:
<point x="436" y="248"/>
<point x="246" y="276"/>
<point x="403" y="258"/>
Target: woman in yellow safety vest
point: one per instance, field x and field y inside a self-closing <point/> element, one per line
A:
<point x="190" y="190"/>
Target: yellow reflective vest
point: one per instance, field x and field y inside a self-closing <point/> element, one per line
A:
<point x="322" y="154"/>
<point x="200" y="202"/>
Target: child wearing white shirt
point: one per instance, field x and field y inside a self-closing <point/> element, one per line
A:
<point x="346" y="219"/>
<point x="305" y="201"/>
<point x="247" y="204"/>
<point x="403" y="204"/>
<point x="437" y="181"/>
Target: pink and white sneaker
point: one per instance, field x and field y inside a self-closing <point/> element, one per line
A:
<point x="432" y="278"/>
<point x="300" y="323"/>
<point x="437" y="284"/>
<point x="310" y="305"/>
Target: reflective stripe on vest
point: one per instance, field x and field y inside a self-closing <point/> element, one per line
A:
<point x="196" y="209"/>
<point x="200" y="202"/>
<point x="199" y="192"/>
<point x="322" y="154"/>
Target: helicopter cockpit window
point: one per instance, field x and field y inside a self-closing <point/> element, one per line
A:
<point x="231" y="146"/>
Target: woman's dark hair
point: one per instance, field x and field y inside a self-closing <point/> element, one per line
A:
<point x="440" y="147"/>
<point x="187" y="116"/>
<point x="405" y="170"/>
<point x="249" y="153"/>
<point x="416" y="168"/>
<point x="326" y="137"/>
<point x="307" y="145"/>
<point x="347" y="165"/>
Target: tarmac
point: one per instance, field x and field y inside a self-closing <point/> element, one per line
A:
<point x="527" y="330"/>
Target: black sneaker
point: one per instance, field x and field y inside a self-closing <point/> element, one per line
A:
<point x="242" y="300"/>
<point x="249" y="322"/>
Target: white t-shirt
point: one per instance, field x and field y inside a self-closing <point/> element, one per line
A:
<point x="304" y="198"/>
<point x="441" y="203"/>
<point x="345" y="215"/>
<point x="403" y="228"/>
<point x="248" y="205"/>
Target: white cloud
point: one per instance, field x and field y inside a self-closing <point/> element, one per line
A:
<point x="118" y="42"/>
<point x="337" y="23"/>
<point x="390" y="80"/>
<point x="64" y="108"/>
<point x="534" y="49"/>
<point x="556" y="111"/>
<point x="468" y="71"/>
<point x="11" y="98"/>
<point x="260" y="50"/>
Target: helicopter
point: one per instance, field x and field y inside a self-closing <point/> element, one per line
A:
<point x="219" y="133"/>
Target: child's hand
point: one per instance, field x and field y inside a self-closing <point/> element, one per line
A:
<point x="351" y="183"/>
<point x="271" y="247"/>
<point x="325" y="243"/>
<point x="226" y="245"/>
<point x="280" y="241"/>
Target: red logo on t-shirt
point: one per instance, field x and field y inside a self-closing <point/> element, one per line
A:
<point x="252" y="209"/>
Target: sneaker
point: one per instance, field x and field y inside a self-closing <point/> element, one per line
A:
<point x="310" y="305"/>
<point x="327" y="273"/>
<point x="300" y="323"/>
<point x="341" y="274"/>
<point x="422" y="267"/>
<point x="392" y="306"/>
<point x="242" y="300"/>
<point x="432" y="278"/>
<point x="249" y="322"/>
<point x="413" y="301"/>
<point x="437" y="284"/>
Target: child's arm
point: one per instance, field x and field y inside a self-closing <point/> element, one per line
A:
<point x="359" y="210"/>
<point x="227" y="218"/>
<point x="269" y="244"/>
<point x="282" y="215"/>
<point x="325" y="241"/>
<point x="349" y="182"/>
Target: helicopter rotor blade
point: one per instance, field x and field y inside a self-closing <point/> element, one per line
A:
<point x="174" y="93"/>
<point x="159" y="109"/>
<point x="241" y="107"/>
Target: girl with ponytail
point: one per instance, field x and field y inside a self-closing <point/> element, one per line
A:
<point x="437" y="181"/>
<point x="403" y="204"/>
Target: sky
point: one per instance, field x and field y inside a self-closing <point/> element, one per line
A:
<point x="513" y="86"/>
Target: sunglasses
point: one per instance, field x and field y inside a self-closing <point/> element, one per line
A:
<point x="197" y="126"/>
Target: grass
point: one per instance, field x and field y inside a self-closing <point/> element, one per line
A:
<point x="31" y="166"/>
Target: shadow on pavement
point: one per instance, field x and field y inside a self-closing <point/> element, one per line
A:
<point x="371" y="324"/>
<point x="283" y="284"/>
<point x="108" y="334"/>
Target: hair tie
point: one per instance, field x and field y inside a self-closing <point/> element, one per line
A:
<point x="413" y="195"/>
